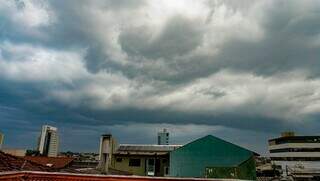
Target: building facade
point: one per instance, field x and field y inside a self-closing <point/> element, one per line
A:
<point x="211" y="157"/>
<point x="296" y="154"/>
<point x="1" y="140"/>
<point x="48" y="142"/>
<point x="134" y="159"/>
<point x="15" y="152"/>
<point x="163" y="137"/>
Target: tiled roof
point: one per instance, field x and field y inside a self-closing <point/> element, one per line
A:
<point x="53" y="162"/>
<point x="13" y="163"/>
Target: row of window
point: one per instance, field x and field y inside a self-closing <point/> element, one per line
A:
<point x="136" y="162"/>
<point x="283" y="150"/>
<point x="296" y="139"/>
<point x="295" y="158"/>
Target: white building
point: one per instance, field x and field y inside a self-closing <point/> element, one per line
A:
<point x="48" y="141"/>
<point x="163" y="137"/>
<point x="297" y="155"/>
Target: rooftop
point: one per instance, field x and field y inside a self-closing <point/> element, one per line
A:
<point x="53" y="162"/>
<point x="145" y="149"/>
<point x="13" y="163"/>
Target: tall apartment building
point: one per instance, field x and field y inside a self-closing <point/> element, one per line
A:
<point x="1" y="140"/>
<point x="48" y="141"/>
<point x="296" y="154"/>
<point x="163" y="137"/>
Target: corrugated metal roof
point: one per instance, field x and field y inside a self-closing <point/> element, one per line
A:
<point x="146" y="148"/>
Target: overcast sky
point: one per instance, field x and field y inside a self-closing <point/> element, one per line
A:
<point x="240" y="70"/>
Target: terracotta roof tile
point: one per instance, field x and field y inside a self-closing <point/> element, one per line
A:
<point x="53" y="162"/>
<point x="13" y="163"/>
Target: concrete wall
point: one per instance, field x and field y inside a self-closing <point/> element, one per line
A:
<point x="124" y="165"/>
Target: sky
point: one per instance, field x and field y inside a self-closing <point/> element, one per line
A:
<point x="241" y="70"/>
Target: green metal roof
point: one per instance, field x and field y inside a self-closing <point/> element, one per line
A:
<point x="214" y="150"/>
<point x="192" y="159"/>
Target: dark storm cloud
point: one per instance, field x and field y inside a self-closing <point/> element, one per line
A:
<point x="249" y="66"/>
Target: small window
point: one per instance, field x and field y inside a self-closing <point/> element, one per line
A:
<point x="119" y="159"/>
<point x="134" y="162"/>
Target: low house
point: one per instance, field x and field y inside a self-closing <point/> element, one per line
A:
<point x="134" y="159"/>
<point x="150" y="160"/>
<point x="212" y="157"/>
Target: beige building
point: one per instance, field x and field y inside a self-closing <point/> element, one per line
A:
<point x="48" y="142"/>
<point x="1" y="140"/>
<point x="15" y="152"/>
<point x="144" y="160"/>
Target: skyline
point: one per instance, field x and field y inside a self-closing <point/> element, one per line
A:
<point x="244" y="72"/>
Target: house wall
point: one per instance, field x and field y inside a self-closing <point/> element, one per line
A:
<point x="124" y="165"/>
<point x="245" y="171"/>
<point x="141" y="170"/>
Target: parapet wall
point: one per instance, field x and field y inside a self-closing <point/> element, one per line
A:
<point x="49" y="176"/>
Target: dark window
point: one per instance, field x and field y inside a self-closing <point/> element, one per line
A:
<point x="119" y="159"/>
<point x="295" y="139"/>
<point x="295" y="158"/>
<point x="283" y="150"/>
<point x="167" y="134"/>
<point x="133" y="162"/>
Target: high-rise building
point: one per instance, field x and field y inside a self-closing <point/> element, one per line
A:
<point x="48" y="141"/>
<point x="163" y="137"/>
<point x="1" y="140"/>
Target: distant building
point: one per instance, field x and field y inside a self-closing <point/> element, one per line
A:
<point x="1" y="140"/>
<point x="163" y="137"/>
<point x="211" y="157"/>
<point x="48" y="141"/>
<point x="15" y="152"/>
<point x="297" y="155"/>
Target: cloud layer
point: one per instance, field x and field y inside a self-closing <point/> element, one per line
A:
<point x="251" y="66"/>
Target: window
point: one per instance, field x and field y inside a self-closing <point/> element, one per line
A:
<point x="133" y="162"/>
<point x="119" y="159"/>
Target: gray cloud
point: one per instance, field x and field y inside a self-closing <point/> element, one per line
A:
<point x="178" y="37"/>
<point x="249" y="66"/>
